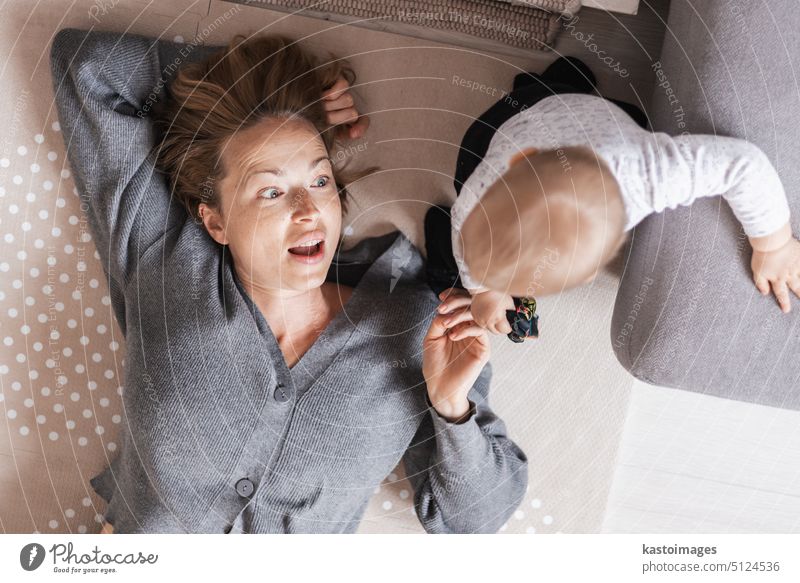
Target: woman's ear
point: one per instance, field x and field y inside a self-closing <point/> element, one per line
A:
<point x="212" y="221"/>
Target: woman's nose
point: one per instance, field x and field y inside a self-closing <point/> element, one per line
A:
<point x="301" y="204"/>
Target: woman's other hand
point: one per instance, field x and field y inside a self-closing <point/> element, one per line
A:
<point x="455" y="350"/>
<point x="107" y="529"/>
<point x="340" y="107"/>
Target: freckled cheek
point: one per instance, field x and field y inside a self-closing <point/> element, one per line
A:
<point x="332" y="207"/>
<point x="257" y="229"/>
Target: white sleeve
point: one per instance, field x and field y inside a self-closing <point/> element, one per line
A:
<point x="467" y="200"/>
<point x="689" y="167"/>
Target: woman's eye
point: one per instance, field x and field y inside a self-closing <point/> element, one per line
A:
<point x="269" y="193"/>
<point x="321" y="181"/>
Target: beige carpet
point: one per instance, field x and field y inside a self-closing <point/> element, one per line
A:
<point x="563" y="397"/>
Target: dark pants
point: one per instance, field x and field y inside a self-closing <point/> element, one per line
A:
<point x="565" y="75"/>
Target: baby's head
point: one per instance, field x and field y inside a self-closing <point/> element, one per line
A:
<point x="551" y="222"/>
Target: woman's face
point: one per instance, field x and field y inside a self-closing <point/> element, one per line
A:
<point x="278" y="193"/>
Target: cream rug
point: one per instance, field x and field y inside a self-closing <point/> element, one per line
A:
<point x="562" y="397"/>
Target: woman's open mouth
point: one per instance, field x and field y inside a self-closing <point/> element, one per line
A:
<point x="311" y="252"/>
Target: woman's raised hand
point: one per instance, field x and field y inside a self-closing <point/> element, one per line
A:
<point x="455" y="351"/>
<point x="340" y="106"/>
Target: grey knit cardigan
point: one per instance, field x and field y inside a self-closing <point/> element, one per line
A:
<point x="218" y="434"/>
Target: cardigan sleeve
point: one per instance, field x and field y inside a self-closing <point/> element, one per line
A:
<point x="468" y="477"/>
<point x="106" y="85"/>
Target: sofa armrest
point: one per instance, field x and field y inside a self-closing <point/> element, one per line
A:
<point x="687" y="314"/>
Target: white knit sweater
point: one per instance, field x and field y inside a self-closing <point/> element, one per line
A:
<point x="655" y="171"/>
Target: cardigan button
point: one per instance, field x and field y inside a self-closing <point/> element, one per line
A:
<point x="244" y="487"/>
<point x="281" y="393"/>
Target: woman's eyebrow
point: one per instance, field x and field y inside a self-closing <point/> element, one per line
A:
<point x="279" y="172"/>
<point x="251" y="173"/>
<point x="318" y="160"/>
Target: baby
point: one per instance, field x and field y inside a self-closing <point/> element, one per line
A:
<point x="548" y="197"/>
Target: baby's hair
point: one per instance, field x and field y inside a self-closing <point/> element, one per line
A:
<point x="235" y="88"/>
<point x="540" y="210"/>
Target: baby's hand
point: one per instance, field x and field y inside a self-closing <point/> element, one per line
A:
<point x="780" y="269"/>
<point x="489" y="311"/>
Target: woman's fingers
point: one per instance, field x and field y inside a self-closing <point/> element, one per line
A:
<point x="339" y="104"/>
<point x="336" y="90"/>
<point x="466" y="331"/>
<point x="453" y="304"/>
<point x="359" y="128"/>
<point x="453" y="291"/>
<point x="345" y="101"/>
<point x="456" y="320"/>
<point x="342" y="116"/>
<point x="353" y="131"/>
<point x="781" y="291"/>
<point x="437" y="328"/>
<point x="453" y="298"/>
<point x="457" y="316"/>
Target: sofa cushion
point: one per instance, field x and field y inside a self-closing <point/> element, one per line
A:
<point x="687" y="314"/>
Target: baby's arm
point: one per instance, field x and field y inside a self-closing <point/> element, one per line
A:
<point x="696" y="166"/>
<point x="703" y="165"/>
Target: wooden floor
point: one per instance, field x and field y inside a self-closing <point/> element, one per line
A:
<point x="692" y="463"/>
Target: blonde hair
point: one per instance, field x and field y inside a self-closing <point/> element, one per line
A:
<point x="234" y="89"/>
<point x="541" y="209"/>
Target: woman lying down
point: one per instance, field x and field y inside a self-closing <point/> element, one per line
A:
<point x="261" y="388"/>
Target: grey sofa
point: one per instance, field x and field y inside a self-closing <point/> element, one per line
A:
<point x="687" y="314"/>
